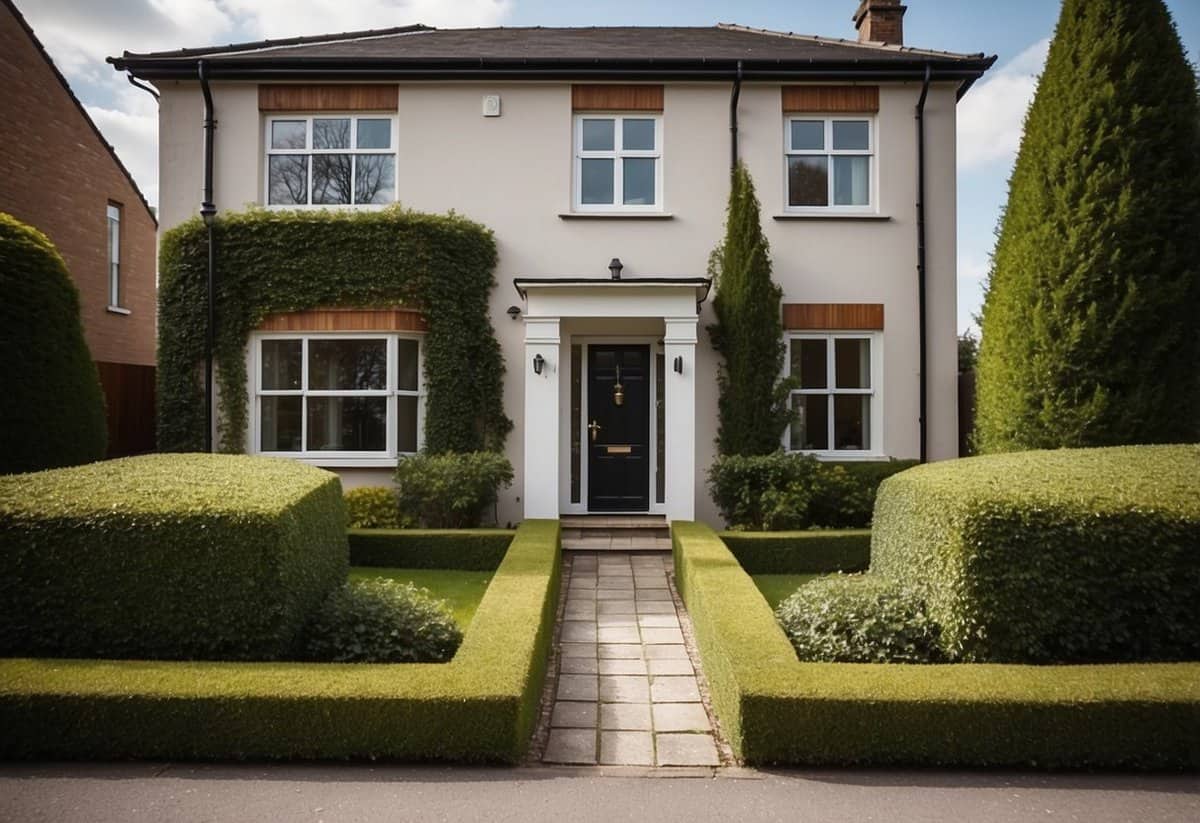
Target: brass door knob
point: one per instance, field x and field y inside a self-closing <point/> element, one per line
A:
<point x="594" y="428"/>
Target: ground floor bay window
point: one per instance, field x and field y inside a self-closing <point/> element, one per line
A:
<point x="836" y="400"/>
<point x="346" y="399"/>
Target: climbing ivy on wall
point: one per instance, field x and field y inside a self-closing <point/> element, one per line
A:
<point x="268" y="262"/>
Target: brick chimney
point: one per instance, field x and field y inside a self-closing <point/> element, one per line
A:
<point x="880" y="21"/>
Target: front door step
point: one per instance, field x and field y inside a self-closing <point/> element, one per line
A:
<point x="627" y="533"/>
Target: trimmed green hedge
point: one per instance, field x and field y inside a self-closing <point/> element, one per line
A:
<point x="466" y="549"/>
<point x="1062" y="556"/>
<point x="805" y="552"/>
<point x="775" y="709"/>
<point x="481" y="706"/>
<point x="198" y="556"/>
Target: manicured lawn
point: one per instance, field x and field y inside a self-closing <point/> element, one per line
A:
<point x="462" y="590"/>
<point x="778" y="587"/>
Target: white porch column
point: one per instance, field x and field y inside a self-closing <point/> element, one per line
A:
<point x="541" y="418"/>
<point x="679" y="348"/>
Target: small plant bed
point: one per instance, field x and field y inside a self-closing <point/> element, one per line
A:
<point x="776" y="588"/>
<point x="461" y="590"/>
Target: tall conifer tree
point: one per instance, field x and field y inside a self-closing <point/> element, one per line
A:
<point x="1091" y="322"/>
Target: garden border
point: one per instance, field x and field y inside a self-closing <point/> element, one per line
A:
<point x="467" y="549"/>
<point x="800" y="552"/>
<point x="481" y="706"/>
<point x="775" y="709"/>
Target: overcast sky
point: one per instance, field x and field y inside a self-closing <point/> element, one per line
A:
<point x="79" y="34"/>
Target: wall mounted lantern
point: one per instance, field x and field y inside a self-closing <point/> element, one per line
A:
<point x="614" y="268"/>
<point x="539" y="363"/>
<point x="679" y="365"/>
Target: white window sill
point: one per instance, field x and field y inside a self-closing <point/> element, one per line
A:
<point x="833" y="215"/>
<point x="117" y="310"/>
<point x="615" y="215"/>
<point x="332" y="462"/>
<point x="846" y="457"/>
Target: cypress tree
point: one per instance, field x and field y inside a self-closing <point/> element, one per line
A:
<point x="1090" y="317"/>
<point x="753" y="400"/>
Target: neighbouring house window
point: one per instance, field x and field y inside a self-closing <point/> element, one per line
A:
<point x="829" y="163"/>
<point x="618" y="162"/>
<point x="356" y="396"/>
<point x="114" y="255"/>
<point x="331" y="160"/>
<point x="835" y="399"/>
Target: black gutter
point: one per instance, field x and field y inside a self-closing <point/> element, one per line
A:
<point x="733" y="116"/>
<point x="208" y="212"/>
<point x="921" y="312"/>
<point x="138" y="84"/>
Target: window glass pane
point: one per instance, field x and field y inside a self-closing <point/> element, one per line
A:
<point x="374" y="178"/>
<point x="288" y="134"/>
<point x="347" y="364"/>
<point x="597" y="135"/>
<point x="114" y="236"/>
<point x="331" y="178"/>
<point x="281" y="364"/>
<point x="808" y="181"/>
<point x="374" y="134"/>
<point x="851" y="181"/>
<point x="852" y="363"/>
<point x="406" y="424"/>
<point x="851" y="135"/>
<point x="637" y="135"/>
<point x="406" y="365"/>
<point x="851" y="422"/>
<point x="331" y="133"/>
<point x="808" y="135"/>
<point x="596" y="180"/>
<point x="287" y="179"/>
<point x="810" y="429"/>
<point x="279" y="424"/>
<point x="639" y="181"/>
<point x="347" y="423"/>
<point x="809" y="364"/>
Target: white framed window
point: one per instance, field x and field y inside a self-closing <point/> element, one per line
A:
<point x="618" y="162"/>
<point x="330" y="160"/>
<point x="837" y="400"/>
<point x="830" y="163"/>
<point x="356" y="397"/>
<point x="114" y="256"/>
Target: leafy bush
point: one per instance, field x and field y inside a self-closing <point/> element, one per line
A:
<point x="858" y="619"/>
<point x="382" y="621"/>
<point x="194" y="556"/>
<point x="52" y="407"/>
<point x="466" y="549"/>
<point x="373" y="507"/>
<point x="450" y="491"/>
<point x="781" y="491"/>
<point x="816" y="551"/>
<point x="1069" y="556"/>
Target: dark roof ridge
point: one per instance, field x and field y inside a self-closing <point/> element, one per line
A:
<point x="842" y="41"/>
<point x="302" y="40"/>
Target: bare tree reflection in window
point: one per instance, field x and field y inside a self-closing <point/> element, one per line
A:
<point x="375" y="181"/>
<point x="288" y="183"/>
<point x="332" y="174"/>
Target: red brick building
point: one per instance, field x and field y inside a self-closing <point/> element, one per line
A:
<point x="59" y="175"/>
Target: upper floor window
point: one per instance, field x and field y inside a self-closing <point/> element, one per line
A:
<point x="114" y="256"/>
<point x="829" y="163"/>
<point x="331" y="160"/>
<point x="618" y="162"/>
<point x="836" y="402"/>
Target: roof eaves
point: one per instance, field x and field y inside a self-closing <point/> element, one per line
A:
<point x="269" y="45"/>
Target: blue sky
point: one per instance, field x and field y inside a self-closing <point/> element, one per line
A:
<point x="80" y="33"/>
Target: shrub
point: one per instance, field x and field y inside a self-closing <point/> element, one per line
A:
<point x="804" y="552"/>
<point x="466" y="549"/>
<point x="167" y="556"/>
<point x="1069" y="555"/>
<point x="373" y="507"/>
<point x="858" y="619"/>
<point x="382" y="621"/>
<point x="52" y="408"/>
<point x="450" y="491"/>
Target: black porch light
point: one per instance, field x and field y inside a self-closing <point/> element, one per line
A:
<point x="539" y="363"/>
<point x="614" y="268"/>
<point x="514" y="312"/>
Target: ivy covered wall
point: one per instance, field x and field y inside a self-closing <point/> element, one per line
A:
<point x="269" y="262"/>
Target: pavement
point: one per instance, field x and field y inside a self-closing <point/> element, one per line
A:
<point x="160" y="792"/>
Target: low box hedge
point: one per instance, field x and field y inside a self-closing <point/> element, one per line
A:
<point x="1080" y="555"/>
<point x="775" y="709"/>
<point x="171" y="556"/>
<point x="804" y="552"/>
<point x="481" y="706"/>
<point x="465" y="549"/>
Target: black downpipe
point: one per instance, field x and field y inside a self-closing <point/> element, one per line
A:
<point x="733" y="117"/>
<point x="921" y="322"/>
<point x="133" y="81"/>
<point x="208" y="211"/>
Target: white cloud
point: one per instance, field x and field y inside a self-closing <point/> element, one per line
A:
<point x="135" y="138"/>
<point x="991" y="118"/>
<point x="285" y="18"/>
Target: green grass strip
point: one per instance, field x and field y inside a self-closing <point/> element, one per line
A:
<point x="776" y="588"/>
<point x="461" y="590"/>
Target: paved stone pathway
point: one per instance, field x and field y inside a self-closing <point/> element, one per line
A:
<point x="626" y="691"/>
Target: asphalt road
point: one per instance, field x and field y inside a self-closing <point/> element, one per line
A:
<point x="132" y="792"/>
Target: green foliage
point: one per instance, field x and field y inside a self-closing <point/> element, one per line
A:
<point x="284" y="261"/>
<point x="481" y="706"/>
<point x="461" y="590"/>
<point x="819" y="550"/>
<point x="381" y="621"/>
<point x="781" y="491"/>
<point x="1089" y="318"/>
<point x="52" y="408"/>
<point x="776" y="709"/>
<point x="450" y="491"/>
<point x="167" y="556"/>
<point x="373" y="507"/>
<point x="1068" y="555"/>
<point x="469" y="549"/>
<point x="860" y="618"/>
<point x="968" y="352"/>
<point x="753" y="402"/>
